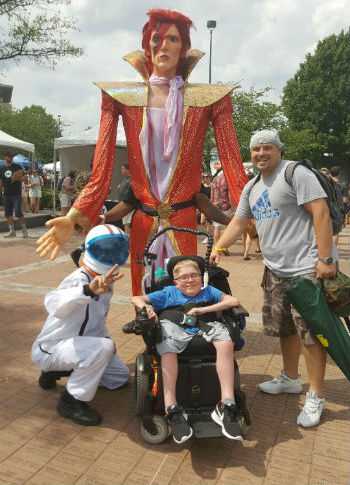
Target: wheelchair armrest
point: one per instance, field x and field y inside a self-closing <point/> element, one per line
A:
<point x="239" y="311"/>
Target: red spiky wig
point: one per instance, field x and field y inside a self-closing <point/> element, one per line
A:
<point x="160" y="20"/>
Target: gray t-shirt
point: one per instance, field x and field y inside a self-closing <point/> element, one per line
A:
<point x="284" y="227"/>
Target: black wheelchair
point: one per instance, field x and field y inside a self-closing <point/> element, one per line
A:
<point x="198" y="388"/>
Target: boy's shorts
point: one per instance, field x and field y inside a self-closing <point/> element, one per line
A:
<point x="175" y="339"/>
<point x="280" y="318"/>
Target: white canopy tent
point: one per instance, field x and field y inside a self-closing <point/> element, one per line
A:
<point x="75" y="152"/>
<point x="49" y="167"/>
<point x="9" y="141"/>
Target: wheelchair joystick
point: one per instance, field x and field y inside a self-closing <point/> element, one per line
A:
<point x="141" y="324"/>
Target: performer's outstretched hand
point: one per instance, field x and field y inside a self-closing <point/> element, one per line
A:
<point x="61" y="229"/>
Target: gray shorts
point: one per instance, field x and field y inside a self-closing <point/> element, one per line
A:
<point x="280" y="318"/>
<point x="175" y="339"/>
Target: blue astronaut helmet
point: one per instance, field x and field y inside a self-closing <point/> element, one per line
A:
<point x="105" y="246"/>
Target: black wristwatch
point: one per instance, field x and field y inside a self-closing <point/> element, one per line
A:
<point x="329" y="260"/>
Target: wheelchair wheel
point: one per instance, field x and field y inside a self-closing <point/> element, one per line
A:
<point x="143" y="384"/>
<point x="154" y="429"/>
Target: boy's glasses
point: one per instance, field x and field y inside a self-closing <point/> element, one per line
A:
<point x="189" y="276"/>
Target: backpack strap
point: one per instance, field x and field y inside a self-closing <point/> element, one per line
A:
<point x="255" y="181"/>
<point x="290" y="169"/>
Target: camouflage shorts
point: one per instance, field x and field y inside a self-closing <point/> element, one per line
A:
<point x="279" y="317"/>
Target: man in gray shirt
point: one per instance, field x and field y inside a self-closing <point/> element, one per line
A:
<point x="294" y="228"/>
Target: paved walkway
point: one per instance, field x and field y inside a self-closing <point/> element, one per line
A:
<point x="39" y="448"/>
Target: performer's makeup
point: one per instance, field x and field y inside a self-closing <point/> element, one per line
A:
<point x="166" y="49"/>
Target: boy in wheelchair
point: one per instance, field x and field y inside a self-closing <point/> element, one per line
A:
<point x="178" y="329"/>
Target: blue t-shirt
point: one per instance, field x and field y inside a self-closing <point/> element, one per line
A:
<point x="170" y="296"/>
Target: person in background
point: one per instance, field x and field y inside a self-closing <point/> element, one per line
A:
<point x="206" y="190"/>
<point x="11" y="177"/>
<point x="35" y="183"/>
<point x="220" y="198"/>
<point x="67" y="193"/>
<point x="25" y="192"/>
<point x="122" y="188"/>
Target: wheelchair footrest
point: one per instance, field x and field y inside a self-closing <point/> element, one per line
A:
<point x="204" y="427"/>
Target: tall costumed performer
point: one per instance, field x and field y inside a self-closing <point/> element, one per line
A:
<point x="165" y="120"/>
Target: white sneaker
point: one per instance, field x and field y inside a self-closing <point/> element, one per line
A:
<point x="312" y="410"/>
<point x="10" y="234"/>
<point x="282" y="384"/>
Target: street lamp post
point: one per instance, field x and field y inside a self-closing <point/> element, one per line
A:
<point x="211" y="24"/>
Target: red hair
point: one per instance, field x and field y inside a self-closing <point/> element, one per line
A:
<point x="160" y="20"/>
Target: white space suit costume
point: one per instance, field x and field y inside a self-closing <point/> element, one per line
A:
<point x="74" y="336"/>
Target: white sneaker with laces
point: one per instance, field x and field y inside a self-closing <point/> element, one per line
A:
<point x="282" y="384"/>
<point x="312" y="410"/>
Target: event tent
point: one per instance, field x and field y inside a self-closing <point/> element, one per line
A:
<point x="75" y="152"/>
<point x="49" y="167"/>
<point x="8" y="141"/>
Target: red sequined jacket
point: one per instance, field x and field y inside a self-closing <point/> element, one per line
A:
<point x="202" y="104"/>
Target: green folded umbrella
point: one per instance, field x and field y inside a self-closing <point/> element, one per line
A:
<point x="331" y="331"/>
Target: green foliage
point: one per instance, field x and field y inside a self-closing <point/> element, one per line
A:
<point x="317" y="98"/>
<point x="46" y="201"/>
<point x="302" y="144"/>
<point x="32" y="124"/>
<point x="251" y="112"/>
<point x="36" y="30"/>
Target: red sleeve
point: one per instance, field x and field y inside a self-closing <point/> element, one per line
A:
<point x="92" y="197"/>
<point x="228" y="148"/>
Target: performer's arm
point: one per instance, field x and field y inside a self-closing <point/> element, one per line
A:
<point x="117" y="212"/>
<point x="228" y="147"/>
<point x="87" y="207"/>
<point x="127" y="204"/>
<point x="209" y="210"/>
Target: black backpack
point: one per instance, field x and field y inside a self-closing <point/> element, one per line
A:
<point x="336" y="212"/>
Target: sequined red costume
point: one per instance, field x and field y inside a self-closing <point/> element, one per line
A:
<point x="202" y="103"/>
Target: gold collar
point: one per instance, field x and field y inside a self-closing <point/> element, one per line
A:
<point x="137" y="60"/>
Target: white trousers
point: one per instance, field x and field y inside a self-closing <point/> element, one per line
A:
<point x="93" y="360"/>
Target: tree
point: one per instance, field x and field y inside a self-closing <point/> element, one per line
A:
<point x="302" y="144"/>
<point x="32" y="124"/>
<point x="35" y="30"/>
<point x="317" y="98"/>
<point x="251" y="112"/>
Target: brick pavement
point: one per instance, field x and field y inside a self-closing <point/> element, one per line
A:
<point x="39" y="448"/>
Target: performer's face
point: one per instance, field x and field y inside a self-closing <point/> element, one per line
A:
<point x="266" y="157"/>
<point x="166" y="47"/>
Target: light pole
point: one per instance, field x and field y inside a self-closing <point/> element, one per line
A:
<point x="211" y="24"/>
